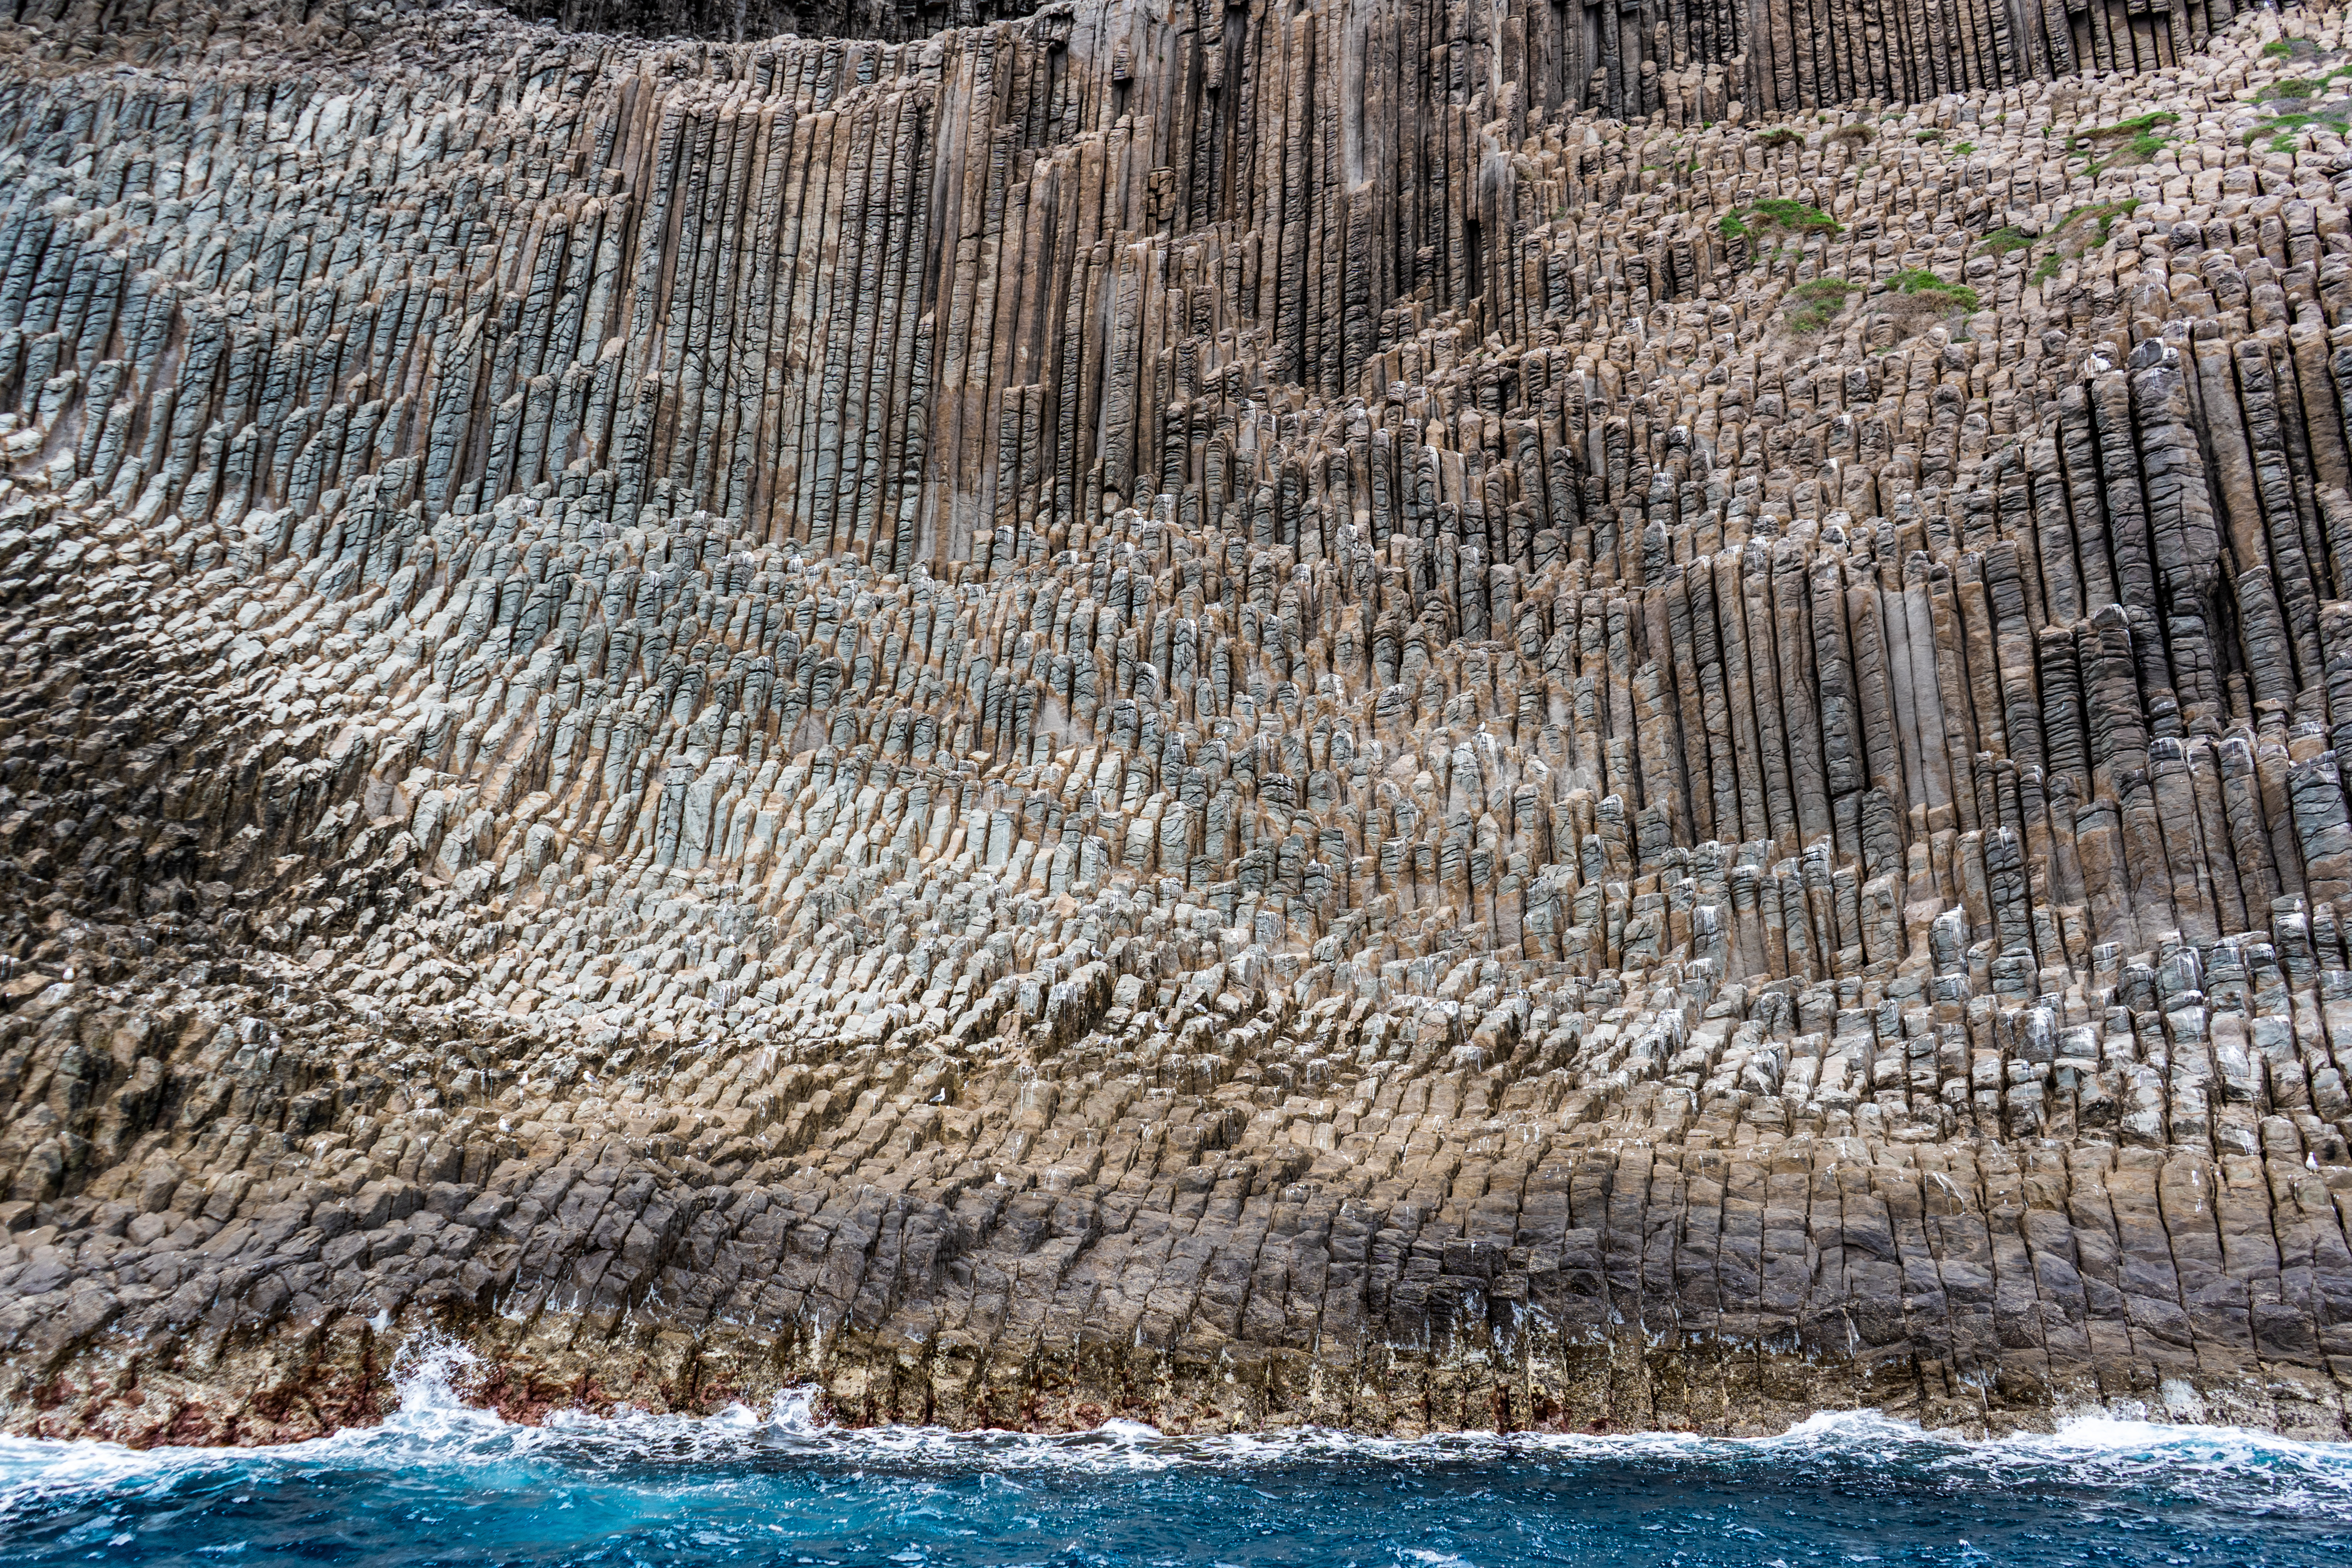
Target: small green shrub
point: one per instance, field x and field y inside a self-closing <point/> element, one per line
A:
<point x="2003" y="241"/>
<point x="2048" y="270"/>
<point x="1859" y="131"/>
<point x="1926" y="136"/>
<point x="1964" y="148"/>
<point x="1780" y="136"/>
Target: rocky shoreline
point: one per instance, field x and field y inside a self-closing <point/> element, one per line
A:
<point x="1404" y="716"/>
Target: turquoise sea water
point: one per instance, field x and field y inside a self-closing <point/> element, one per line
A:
<point x="438" y="1484"/>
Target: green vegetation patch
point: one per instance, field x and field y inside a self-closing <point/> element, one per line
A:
<point x="1780" y="136"/>
<point x="2084" y="229"/>
<point x="1918" y="283"/>
<point x="1745" y="223"/>
<point x="1813" y="305"/>
<point x="1779" y="212"/>
<point x="2301" y="87"/>
<point x="2005" y="241"/>
<point x="2102" y="217"/>
<point x="2282" y="130"/>
<point x="2127" y="141"/>
<point x="2137" y="125"/>
<point x="2104" y="213"/>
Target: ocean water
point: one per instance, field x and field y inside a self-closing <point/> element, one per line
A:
<point x="441" y="1484"/>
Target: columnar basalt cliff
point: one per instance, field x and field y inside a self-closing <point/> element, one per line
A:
<point x="1392" y="714"/>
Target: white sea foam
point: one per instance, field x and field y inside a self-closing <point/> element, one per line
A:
<point x="2217" y="1464"/>
<point x="432" y="1425"/>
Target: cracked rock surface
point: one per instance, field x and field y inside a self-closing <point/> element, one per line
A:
<point x="1373" y="713"/>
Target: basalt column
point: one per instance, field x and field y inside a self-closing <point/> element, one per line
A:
<point x="1399" y="715"/>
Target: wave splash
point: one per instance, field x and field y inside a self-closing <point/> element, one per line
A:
<point x="443" y="1481"/>
<point x="432" y="1425"/>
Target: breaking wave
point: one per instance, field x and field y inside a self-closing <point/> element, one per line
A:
<point x="441" y="1483"/>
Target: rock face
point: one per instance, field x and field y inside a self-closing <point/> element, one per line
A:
<point x="1390" y="714"/>
<point x="737" y="20"/>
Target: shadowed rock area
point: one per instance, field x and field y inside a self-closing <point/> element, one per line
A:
<point x="1370" y="712"/>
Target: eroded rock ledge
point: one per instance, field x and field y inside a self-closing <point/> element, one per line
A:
<point x="1224" y="715"/>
